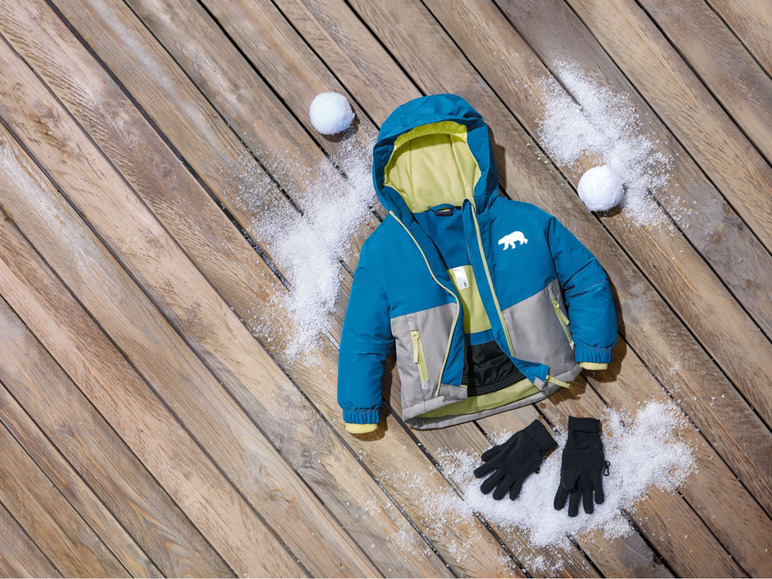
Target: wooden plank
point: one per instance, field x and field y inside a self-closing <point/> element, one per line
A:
<point x="487" y="555"/>
<point x="722" y="63"/>
<point x="77" y="492"/>
<point x="157" y="351"/>
<point x="228" y="260"/>
<point x="668" y="259"/>
<point x="683" y="103"/>
<point x="751" y="21"/>
<point x="746" y="269"/>
<point x="650" y="327"/>
<point x="136" y="414"/>
<point x="46" y="515"/>
<point x="19" y="555"/>
<point x="166" y="93"/>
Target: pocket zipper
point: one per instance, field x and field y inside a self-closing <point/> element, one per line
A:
<point x="418" y="355"/>
<point x="563" y="320"/>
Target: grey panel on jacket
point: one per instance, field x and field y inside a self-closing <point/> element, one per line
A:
<point x="434" y="326"/>
<point x="536" y="333"/>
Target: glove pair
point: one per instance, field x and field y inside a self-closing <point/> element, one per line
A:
<point x="510" y="463"/>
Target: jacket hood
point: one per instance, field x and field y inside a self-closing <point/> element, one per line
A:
<point x="431" y="152"/>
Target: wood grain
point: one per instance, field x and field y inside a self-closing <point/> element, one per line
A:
<point x="19" y="555"/>
<point x="245" y="281"/>
<point x="161" y="355"/>
<point x="691" y="200"/>
<point x="47" y="516"/>
<point x="75" y="489"/>
<point x="751" y="21"/>
<point x="723" y="64"/>
<point x="685" y="105"/>
<point x="145" y="424"/>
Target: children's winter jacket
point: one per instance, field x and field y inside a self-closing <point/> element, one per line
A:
<point x="490" y="303"/>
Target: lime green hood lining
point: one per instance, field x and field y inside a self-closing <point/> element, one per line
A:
<point x="431" y="165"/>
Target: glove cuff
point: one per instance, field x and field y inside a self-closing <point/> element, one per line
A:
<point x="584" y="424"/>
<point x="540" y="436"/>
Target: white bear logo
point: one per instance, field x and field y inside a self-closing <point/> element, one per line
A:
<point x="509" y="240"/>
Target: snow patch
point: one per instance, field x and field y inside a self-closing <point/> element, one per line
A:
<point x="591" y="122"/>
<point x="308" y="237"/>
<point x="645" y="451"/>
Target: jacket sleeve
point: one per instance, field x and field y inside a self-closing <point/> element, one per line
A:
<point x="587" y="294"/>
<point x="365" y="343"/>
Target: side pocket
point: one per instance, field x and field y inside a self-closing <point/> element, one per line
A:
<point x="418" y="355"/>
<point x="564" y="321"/>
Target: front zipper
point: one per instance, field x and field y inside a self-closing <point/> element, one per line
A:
<point x="490" y="280"/>
<point x="563" y="321"/>
<point x="455" y="297"/>
<point x="418" y="355"/>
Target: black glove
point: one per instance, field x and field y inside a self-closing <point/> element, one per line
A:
<point x="513" y="461"/>
<point x="583" y="465"/>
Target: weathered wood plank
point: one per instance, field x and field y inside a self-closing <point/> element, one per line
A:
<point x="63" y="474"/>
<point x="691" y="200"/>
<point x="722" y="63"/>
<point x="19" y="555"/>
<point x="657" y="336"/>
<point x="488" y="554"/>
<point x="246" y="282"/>
<point x="685" y="105"/>
<point x="668" y="259"/>
<point x="181" y="377"/>
<point x="144" y="423"/>
<point x="46" y="515"/>
<point x="751" y="20"/>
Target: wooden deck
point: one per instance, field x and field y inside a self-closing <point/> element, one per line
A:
<point x="145" y="431"/>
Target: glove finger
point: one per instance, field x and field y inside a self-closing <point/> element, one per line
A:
<point x="597" y="485"/>
<point x="573" y="503"/>
<point x="515" y="490"/>
<point x="589" y="507"/>
<point x="502" y="488"/>
<point x="490" y="482"/>
<point x="492" y="452"/>
<point x="484" y="469"/>
<point x="560" y="498"/>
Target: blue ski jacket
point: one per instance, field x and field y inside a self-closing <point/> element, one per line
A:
<point x="490" y="303"/>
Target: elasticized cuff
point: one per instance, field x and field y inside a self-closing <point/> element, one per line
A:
<point x="361" y="428"/>
<point x="540" y="435"/>
<point x="583" y="424"/>
<point x="585" y="353"/>
<point x="371" y="416"/>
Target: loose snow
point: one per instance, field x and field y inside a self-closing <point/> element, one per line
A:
<point x="592" y="123"/>
<point x="645" y="451"/>
<point x="307" y="248"/>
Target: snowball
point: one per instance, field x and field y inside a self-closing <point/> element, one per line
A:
<point x="331" y="113"/>
<point x="600" y="188"/>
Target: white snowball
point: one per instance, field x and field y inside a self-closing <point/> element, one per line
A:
<point x="331" y="113"/>
<point x="600" y="188"/>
